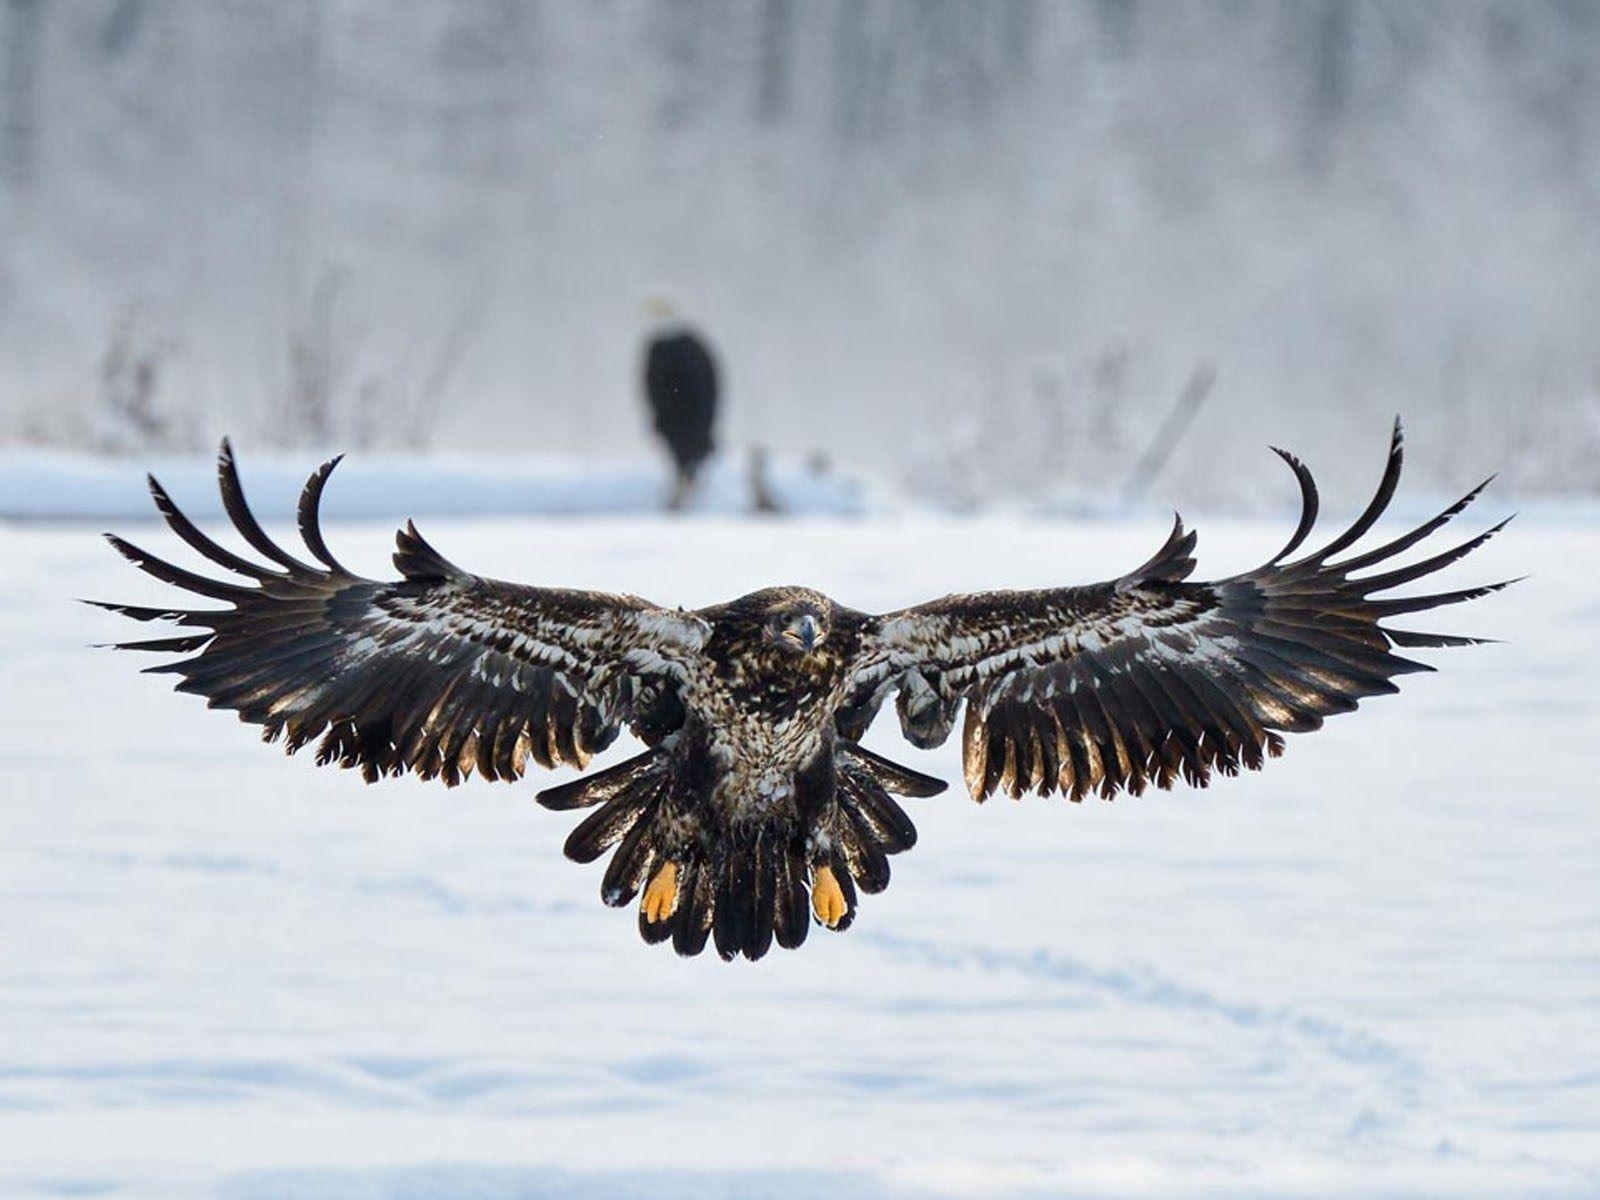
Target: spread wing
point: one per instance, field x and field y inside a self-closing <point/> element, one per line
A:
<point x="1148" y="678"/>
<point x="440" y="672"/>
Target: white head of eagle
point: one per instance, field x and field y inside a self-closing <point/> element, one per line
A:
<point x="753" y="811"/>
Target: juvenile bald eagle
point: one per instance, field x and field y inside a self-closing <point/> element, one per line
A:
<point x="753" y="800"/>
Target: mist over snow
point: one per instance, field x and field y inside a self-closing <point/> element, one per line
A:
<point x="966" y="246"/>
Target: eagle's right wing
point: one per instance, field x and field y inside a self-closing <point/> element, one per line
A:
<point x="441" y="672"/>
<point x="1150" y="678"/>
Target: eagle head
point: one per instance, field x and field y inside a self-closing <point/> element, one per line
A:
<point x="797" y="620"/>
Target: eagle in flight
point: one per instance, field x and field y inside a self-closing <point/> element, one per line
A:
<point x="753" y="807"/>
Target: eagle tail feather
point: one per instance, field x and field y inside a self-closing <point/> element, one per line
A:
<point x="752" y="886"/>
<point x="892" y="776"/>
<point x="603" y="786"/>
<point x="691" y="923"/>
<point x="627" y="795"/>
<point x="791" y="918"/>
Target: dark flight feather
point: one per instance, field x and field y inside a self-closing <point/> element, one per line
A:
<point x="1150" y="679"/>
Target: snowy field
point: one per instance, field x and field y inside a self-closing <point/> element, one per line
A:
<point x="1373" y="970"/>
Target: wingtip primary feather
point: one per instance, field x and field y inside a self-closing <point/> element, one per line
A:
<point x="1309" y="504"/>
<point x="1408" y="604"/>
<point x="191" y="535"/>
<point x="1393" y="465"/>
<point x="170" y="645"/>
<point x="1407" y="540"/>
<point x="244" y="520"/>
<point x="1376" y="583"/>
<point x="1417" y="640"/>
<point x="176" y="576"/>
<point x="308" y="515"/>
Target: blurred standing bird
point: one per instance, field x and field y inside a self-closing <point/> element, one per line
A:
<point x="680" y="386"/>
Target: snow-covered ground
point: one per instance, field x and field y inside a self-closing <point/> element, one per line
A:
<point x="1373" y="970"/>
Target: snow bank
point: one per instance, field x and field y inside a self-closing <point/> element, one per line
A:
<point x="40" y="484"/>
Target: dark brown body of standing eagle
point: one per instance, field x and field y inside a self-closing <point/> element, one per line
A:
<point x="753" y="807"/>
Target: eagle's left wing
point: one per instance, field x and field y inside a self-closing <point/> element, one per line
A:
<point x="1148" y="678"/>
<point x="441" y="672"/>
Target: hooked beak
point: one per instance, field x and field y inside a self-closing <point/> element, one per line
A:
<point x="803" y="633"/>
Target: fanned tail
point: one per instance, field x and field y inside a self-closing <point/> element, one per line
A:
<point x="744" y="888"/>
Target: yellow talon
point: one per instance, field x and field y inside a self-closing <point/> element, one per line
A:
<point x="827" y="899"/>
<point x="661" y="897"/>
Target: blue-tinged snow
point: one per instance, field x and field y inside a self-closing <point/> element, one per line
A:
<point x="38" y="484"/>
<point x="1371" y="971"/>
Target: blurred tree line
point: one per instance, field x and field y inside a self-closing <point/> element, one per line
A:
<point x="993" y="183"/>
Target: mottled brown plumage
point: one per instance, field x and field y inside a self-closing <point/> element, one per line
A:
<point x="753" y="807"/>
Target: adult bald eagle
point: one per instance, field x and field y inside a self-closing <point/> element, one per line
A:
<point x="753" y="799"/>
<point x="680" y="387"/>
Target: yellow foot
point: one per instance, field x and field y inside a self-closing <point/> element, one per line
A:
<point x="661" y="897"/>
<point x="827" y="899"/>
